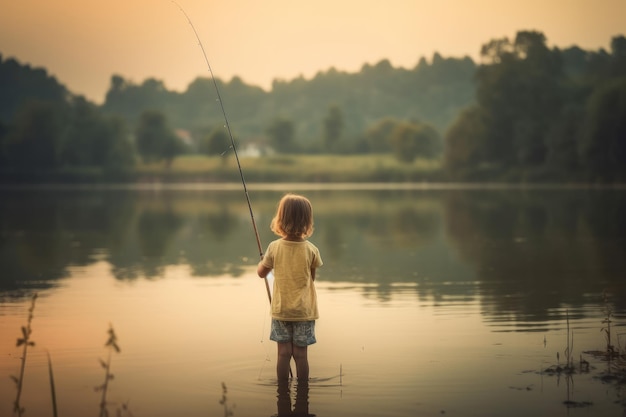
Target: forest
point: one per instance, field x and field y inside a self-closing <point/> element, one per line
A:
<point x="525" y="112"/>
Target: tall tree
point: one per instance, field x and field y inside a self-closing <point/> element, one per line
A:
<point x="333" y="127"/>
<point x="129" y="100"/>
<point x="118" y="149"/>
<point x="563" y="140"/>
<point x="155" y="139"/>
<point x="618" y="56"/>
<point x="282" y="134"/>
<point x="4" y="157"/>
<point x="92" y="139"/>
<point x="34" y="142"/>
<point x="377" y="135"/>
<point x="603" y="145"/>
<point x="465" y="140"/>
<point x="216" y="142"/>
<point x="412" y="140"/>
<point x="519" y="87"/>
<point x="20" y="83"/>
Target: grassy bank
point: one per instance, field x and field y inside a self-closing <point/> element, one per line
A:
<point x="292" y="168"/>
<point x="278" y="168"/>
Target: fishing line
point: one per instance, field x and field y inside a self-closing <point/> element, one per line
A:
<point x="265" y="346"/>
<point x="232" y="141"/>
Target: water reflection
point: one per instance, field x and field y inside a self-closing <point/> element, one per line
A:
<point x="184" y="336"/>
<point x="299" y="400"/>
<point x="544" y="248"/>
<point x="524" y="253"/>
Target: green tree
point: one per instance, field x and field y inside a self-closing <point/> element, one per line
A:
<point x="155" y="140"/>
<point x="80" y="130"/>
<point x="120" y="153"/>
<point x="618" y="56"/>
<point x="34" y="142"/>
<point x="465" y="140"/>
<point x="4" y="158"/>
<point x="92" y="139"/>
<point x="129" y="100"/>
<point x="216" y="142"/>
<point x="377" y="136"/>
<point x="563" y="139"/>
<point x="519" y="88"/>
<point x="412" y="140"/>
<point x="333" y="127"/>
<point x="282" y="134"/>
<point x="20" y="83"/>
<point x="603" y="145"/>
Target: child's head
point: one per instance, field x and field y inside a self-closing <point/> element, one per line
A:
<point x="294" y="217"/>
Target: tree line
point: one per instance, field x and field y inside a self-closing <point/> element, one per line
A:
<point x="525" y="112"/>
<point x="543" y="112"/>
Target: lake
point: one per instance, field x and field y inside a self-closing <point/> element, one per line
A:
<point x="449" y="300"/>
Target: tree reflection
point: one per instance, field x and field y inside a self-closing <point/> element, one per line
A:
<point x="520" y="252"/>
<point x="219" y="224"/>
<point x="156" y="232"/>
<point x="540" y="248"/>
<point x="413" y="227"/>
<point x="42" y="233"/>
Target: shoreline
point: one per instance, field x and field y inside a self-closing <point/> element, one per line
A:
<point x="310" y="186"/>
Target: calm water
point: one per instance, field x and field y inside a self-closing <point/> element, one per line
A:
<point x="432" y="302"/>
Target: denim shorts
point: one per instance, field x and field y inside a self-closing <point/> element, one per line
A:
<point x="301" y="333"/>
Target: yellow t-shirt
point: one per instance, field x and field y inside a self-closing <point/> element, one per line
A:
<point x="294" y="297"/>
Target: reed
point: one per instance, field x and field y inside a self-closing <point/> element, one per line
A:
<point x="112" y="346"/>
<point x="340" y="375"/>
<point x="615" y="357"/>
<point x="26" y="342"/>
<point x="569" y="366"/>
<point x="52" y="390"/>
<point x="608" y="319"/>
<point x="224" y="402"/>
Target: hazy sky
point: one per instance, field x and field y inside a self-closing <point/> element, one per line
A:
<point x="84" y="42"/>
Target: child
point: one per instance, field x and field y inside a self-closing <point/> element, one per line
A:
<point x="294" y="305"/>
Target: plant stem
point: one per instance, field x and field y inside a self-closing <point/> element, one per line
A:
<point x="105" y="386"/>
<point x="26" y="332"/>
<point x="52" y="390"/>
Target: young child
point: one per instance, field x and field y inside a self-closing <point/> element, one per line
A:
<point x="294" y="304"/>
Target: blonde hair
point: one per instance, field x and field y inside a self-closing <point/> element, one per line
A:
<point x="294" y="217"/>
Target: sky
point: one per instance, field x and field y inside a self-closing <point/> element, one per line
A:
<point x="84" y="42"/>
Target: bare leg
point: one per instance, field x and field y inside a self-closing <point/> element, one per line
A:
<point x="302" y="363"/>
<point x="285" y="351"/>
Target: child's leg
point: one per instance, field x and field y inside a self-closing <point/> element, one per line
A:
<point x="285" y="351"/>
<point x="302" y="362"/>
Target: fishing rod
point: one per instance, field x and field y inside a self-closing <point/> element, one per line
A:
<point x="232" y="142"/>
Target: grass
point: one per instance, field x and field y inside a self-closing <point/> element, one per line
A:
<point x="275" y="168"/>
<point x="26" y="342"/>
<point x="292" y="168"/>
<point x="614" y="357"/>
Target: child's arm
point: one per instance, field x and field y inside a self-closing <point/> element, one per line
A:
<point x="313" y="273"/>
<point x="262" y="270"/>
